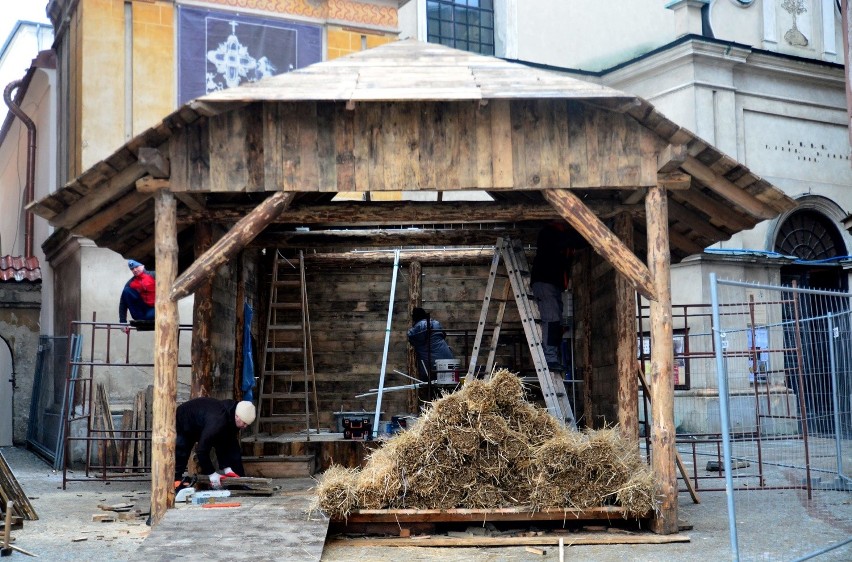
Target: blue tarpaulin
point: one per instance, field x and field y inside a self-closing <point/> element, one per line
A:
<point x="248" y="357"/>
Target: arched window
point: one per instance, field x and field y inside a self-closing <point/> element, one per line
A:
<point x="809" y="235"/>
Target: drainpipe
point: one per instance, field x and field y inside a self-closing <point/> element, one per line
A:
<point x="29" y="190"/>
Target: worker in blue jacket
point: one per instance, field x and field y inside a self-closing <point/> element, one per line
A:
<point x="429" y="341"/>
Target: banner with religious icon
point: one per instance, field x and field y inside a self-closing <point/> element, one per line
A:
<point x="221" y="50"/>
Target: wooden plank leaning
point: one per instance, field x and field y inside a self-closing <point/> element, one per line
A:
<point x="11" y="491"/>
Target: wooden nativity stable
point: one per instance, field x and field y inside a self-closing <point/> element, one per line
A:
<point x="312" y="161"/>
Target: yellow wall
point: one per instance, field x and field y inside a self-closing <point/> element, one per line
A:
<point x="344" y="41"/>
<point x="154" y="74"/>
<point x="101" y="79"/>
<point x="99" y="82"/>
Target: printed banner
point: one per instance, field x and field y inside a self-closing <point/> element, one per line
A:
<point x="221" y="50"/>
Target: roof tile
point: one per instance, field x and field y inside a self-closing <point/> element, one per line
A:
<point x="19" y="268"/>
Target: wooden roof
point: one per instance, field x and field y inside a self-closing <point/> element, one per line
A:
<point x="336" y="123"/>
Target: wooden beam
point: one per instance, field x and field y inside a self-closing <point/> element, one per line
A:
<point x="202" y="321"/>
<point x="625" y="351"/>
<point x="93" y="226"/>
<point x="662" y="359"/>
<point x="155" y="162"/>
<point x="728" y="189"/>
<point x="364" y="213"/>
<point x="681" y="242"/>
<point x="719" y="213"/>
<point x="95" y="199"/>
<point x="674" y="181"/>
<point x="696" y="223"/>
<point x="231" y="243"/>
<point x="165" y="359"/>
<point x="671" y="157"/>
<point x="151" y="185"/>
<point x="601" y="239"/>
<point x="574" y="539"/>
<point x="191" y="201"/>
<point x="481" y="255"/>
<point x="383" y="238"/>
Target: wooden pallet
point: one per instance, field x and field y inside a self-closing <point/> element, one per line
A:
<point x="607" y="513"/>
<point x="425" y="520"/>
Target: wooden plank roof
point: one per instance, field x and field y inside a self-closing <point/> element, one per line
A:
<point x="410" y="70"/>
<point x="721" y="197"/>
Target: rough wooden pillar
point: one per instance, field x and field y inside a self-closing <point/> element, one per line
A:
<point x="202" y="318"/>
<point x="165" y="357"/>
<point x="662" y="384"/>
<point x="415" y="299"/>
<point x="584" y="297"/>
<point x="625" y="329"/>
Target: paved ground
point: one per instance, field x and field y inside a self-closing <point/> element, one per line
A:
<point x="772" y="525"/>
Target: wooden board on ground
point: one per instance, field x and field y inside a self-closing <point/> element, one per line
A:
<point x="571" y="539"/>
<point x="608" y="513"/>
<point x="10" y="490"/>
<point x="276" y="528"/>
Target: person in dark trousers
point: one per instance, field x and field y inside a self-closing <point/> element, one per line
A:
<point x="138" y="296"/>
<point x="556" y="245"/>
<point x="209" y="424"/>
<point x="428" y="339"/>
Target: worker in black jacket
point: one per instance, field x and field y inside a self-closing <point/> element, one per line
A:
<point x="211" y="424"/>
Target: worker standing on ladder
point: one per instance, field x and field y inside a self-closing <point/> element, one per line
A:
<point x="549" y="278"/>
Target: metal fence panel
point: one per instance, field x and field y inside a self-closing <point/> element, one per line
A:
<point x="784" y="360"/>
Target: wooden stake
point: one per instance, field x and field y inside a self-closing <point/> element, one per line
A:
<point x="230" y="244"/>
<point x="7" y="527"/>
<point x="662" y="359"/>
<point x="165" y="358"/>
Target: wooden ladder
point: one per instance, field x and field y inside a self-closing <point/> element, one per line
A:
<point x="287" y="394"/>
<point x="517" y="279"/>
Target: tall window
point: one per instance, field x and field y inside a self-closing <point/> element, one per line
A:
<point x="463" y="24"/>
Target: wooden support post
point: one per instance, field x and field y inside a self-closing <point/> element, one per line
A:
<point x="601" y="239"/>
<point x="165" y="357"/>
<point x="584" y="298"/>
<point x="202" y="319"/>
<point x="625" y="328"/>
<point x="662" y="359"/>
<point x="231" y="243"/>
<point x="415" y="299"/>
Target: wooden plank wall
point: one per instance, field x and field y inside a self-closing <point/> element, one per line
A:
<point x="603" y="386"/>
<point x="348" y="308"/>
<point x="379" y="146"/>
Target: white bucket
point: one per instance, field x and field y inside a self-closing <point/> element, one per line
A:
<point x="447" y="371"/>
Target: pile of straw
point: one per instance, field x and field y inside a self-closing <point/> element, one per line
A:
<point x="486" y="447"/>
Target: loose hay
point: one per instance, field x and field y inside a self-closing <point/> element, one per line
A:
<point x="486" y="447"/>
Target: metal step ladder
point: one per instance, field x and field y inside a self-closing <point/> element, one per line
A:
<point x="287" y="395"/>
<point x="517" y="280"/>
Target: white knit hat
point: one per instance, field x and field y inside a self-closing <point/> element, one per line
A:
<point x="246" y="411"/>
